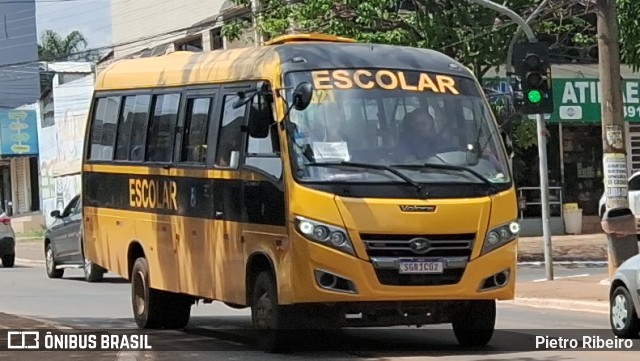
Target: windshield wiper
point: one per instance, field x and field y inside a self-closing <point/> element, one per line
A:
<point x="446" y="167"/>
<point x="369" y="166"/>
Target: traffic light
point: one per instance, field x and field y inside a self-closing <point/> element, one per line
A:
<point x="533" y="68"/>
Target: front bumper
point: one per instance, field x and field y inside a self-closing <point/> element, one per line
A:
<point x="7" y="246"/>
<point x="361" y="280"/>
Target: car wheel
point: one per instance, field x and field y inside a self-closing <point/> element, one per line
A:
<point x="93" y="272"/>
<point x="9" y="260"/>
<point x="50" y="263"/>
<point x="622" y="316"/>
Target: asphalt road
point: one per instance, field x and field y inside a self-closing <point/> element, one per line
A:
<point x="221" y="331"/>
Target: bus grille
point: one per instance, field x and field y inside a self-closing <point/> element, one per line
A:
<point x="399" y="246"/>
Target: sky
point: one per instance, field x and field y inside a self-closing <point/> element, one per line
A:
<point x="91" y="17"/>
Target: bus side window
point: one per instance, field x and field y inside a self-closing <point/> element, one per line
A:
<point x="196" y="128"/>
<point x="103" y="128"/>
<point x="264" y="153"/>
<point x="130" y="140"/>
<point x="162" y="128"/>
<point x="230" y="135"/>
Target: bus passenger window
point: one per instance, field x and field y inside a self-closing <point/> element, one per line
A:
<point x="130" y="139"/>
<point x="196" y="127"/>
<point x="162" y="128"/>
<point x="230" y="135"/>
<point x="103" y="128"/>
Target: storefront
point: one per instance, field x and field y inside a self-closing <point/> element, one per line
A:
<point x="575" y="155"/>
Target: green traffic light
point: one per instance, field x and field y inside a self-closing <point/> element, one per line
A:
<point x="534" y="96"/>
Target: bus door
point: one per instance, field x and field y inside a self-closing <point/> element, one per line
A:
<point x="198" y="231"/>
<point x="229" y="136"/>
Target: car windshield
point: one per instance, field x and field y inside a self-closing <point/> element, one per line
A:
<point x="403" y="120"/>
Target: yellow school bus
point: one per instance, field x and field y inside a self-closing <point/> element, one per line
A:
<point x="318" y="181"/>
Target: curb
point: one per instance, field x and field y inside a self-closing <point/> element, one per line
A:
<point x="601" y="307"/>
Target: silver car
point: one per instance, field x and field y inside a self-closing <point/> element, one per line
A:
<point x="63" y="244"/>
<point x="7" y="241"/>
<point x="624" y="299"/>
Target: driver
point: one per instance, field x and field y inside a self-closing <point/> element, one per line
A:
<point x="419" y="139"/>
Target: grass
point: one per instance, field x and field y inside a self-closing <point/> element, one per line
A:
<point x="31" y="234"/>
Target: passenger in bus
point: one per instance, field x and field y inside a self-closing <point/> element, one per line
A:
<point x="419" y="139"/>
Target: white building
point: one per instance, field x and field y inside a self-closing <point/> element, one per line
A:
<point x="145" y="28"/>
<point x="65" y="109"/>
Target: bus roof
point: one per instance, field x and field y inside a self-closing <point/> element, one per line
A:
<point x="284" y="54"/>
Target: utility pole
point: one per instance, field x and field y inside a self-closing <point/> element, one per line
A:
<point x="542" y="144"/>
<point x="620" y="234"/>
<point x="257" y="17"/>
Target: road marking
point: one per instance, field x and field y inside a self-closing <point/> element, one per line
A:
<point x="572" y="276"/>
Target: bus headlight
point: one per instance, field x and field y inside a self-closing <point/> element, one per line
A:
<point x="500" y="236"/>
<point x="330" y="236"/>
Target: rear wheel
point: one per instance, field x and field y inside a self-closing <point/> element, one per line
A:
<point x="9" y="260"/>
<point x="50" y="262"/>
<point x="622" y="316"/>
<point x="155" y="308"/>
<point x="474" y="323"/>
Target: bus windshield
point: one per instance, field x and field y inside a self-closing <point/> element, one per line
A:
<point x="366" y="125"/>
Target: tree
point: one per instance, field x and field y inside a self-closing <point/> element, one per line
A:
<point x="629" y="28"/>
<point x="53" y="47"/>
<point x="474" y="35"/>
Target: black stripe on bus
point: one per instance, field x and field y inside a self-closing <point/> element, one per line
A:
<point x="236" y="200"/>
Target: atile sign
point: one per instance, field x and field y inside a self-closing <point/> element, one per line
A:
<point x="383" y="79"/>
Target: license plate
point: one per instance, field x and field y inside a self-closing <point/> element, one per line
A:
<point x="421" y="267"/>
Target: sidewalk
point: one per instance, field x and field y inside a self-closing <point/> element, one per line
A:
<point x="587" y="294"/>
<point x="584" y="247"/>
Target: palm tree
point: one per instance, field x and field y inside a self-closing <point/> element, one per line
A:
<point x="53" y="47"/>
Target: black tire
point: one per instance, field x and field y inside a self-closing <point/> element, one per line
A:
<point x="154" y="309"/>
<point x="93" y="272"/>
<point x="622" y="314"/>
<point x="273" y="323"/>
<point x="474" y="323"/>
<point x="9" y="260"/>
<point x="50" y="263"/>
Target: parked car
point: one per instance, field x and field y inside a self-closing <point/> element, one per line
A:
<point x="7" y="241"/>
<point x="63" y="244"/>
<point x="624" y="299"/>
<point x="634" y="200"/>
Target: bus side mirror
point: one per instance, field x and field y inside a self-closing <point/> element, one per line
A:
<point x="259" y="122"/>
<point x="302" y="96"/>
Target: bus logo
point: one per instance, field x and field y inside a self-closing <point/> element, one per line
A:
<point x="409" y="208"/>
<point x="419" y="245"/>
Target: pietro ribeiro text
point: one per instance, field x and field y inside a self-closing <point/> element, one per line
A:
<point x="586" y="342"/>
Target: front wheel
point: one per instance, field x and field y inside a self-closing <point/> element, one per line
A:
<point x="9" y="260"/>
<point x="50" y="261"/>
<point x="622" y="314"/>
<point x="274" y="323"/>
<point x="474" y="323"/>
